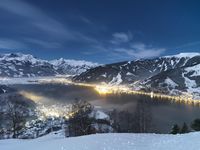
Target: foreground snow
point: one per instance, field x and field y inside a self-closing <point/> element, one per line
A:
<point x="114" y="141"/>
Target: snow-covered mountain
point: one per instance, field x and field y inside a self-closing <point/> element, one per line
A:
<point x="180" y="72"/>
<point x="25" y="65"/>
<point x="131" y="71"/>
<point x="185" y="78"/>
<point x="70" y="66"/>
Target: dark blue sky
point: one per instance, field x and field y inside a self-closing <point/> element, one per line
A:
<point x="99" y="30"/>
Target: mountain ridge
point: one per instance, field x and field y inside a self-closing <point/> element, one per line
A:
<point x="26" y="65"/>
<point x="170" y="74"/>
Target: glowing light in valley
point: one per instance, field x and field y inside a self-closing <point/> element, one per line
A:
<point x="32" y="96"/>
<point x="105" y="89"/>
<point x="186" y="98"/>
<point x="48" y="111"/>
<point x="54" y="111"/>
<point x="44" y="111"/>
<point x="151" y="94"/>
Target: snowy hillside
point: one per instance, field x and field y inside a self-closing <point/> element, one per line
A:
<point x="114" y="141"/>
<point x="131" y="71"/>
<point x="184" y="79"/>
<point x="180" y="72"/>
<point x="25" y="65"/>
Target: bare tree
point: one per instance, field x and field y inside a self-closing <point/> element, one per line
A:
<point x="122" y="121"/>
<point x="16" y="118"/>
<point x="142" y="117"/>
<point x="139" y="121"/>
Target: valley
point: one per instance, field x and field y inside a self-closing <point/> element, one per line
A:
<point x="59" y="92"/>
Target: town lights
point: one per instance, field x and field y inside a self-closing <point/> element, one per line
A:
<point x="103" y="90"/>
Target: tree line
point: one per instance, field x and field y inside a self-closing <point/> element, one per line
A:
<point x="195" y="126"/>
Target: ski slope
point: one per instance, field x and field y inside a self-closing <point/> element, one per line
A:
<point x="112" y="141"/>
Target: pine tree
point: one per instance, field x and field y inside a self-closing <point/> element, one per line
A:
<point x="80" y="123"/>
<point x="184" y="128"/>
<point x="196" y="125"/>
<point x="175" y="129"/>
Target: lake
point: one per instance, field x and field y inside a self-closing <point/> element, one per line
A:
<point x="165" y="113"/>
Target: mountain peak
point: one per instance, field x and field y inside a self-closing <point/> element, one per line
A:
<point x="26" y="65"/>
<point x="73" y="62"/>
<point x="19" y="57"/>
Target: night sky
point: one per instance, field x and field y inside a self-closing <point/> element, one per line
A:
<point x="102" y="31"/>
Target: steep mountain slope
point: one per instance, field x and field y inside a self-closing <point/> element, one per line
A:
<point x="23" y="65"/>
<point x="185" y="78"/>
<point x="131" y="71"/>
<point x="169" y="74"/>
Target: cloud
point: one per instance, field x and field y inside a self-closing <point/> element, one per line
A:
<point x="37" y="18"/>
<point x="45" y="26"/>
<point x="11" y="44"/>
<point x="86" y="20"/>
<point x="138" y="46"/>
<point x="139" y="50"/>
<point x="121" y="37"/>
<point x="44" y="44"/>
<point x="123" y="47"/>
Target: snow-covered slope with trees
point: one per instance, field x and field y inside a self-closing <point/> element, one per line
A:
<point x="25" y="65"/>
<point x="181" y="72"/>
<point x="113" y="141"/>
<point x="131" y="71"/>
<point x="184" y="79"/>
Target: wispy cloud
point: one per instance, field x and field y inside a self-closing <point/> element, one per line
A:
<point x="44" y="44"/>
<point x="36" y="17"/>
<point x="122" y="47"/>
<point x="44" y="31"/>
<point x="121" y="37"/>
<point x="139" y="50"/>
<point x="48" y="31"/>
<point x="11" y="44"/>
<point x="86" y="20"/>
